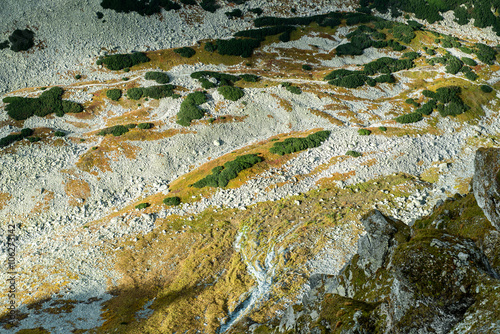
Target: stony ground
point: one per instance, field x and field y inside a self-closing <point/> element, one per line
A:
<point x="73" y="205"/>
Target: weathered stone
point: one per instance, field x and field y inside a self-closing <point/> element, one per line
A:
<point x="486" y="185"/>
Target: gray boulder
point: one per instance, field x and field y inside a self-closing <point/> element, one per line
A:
<point x="486" y="183"/>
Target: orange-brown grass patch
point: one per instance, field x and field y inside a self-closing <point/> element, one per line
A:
<point x="330" y="181"/>
<point x="141" y="135"/>
<point x="285" y="104"/>
<point x="369" y="163"/>
<point x="327" y="116"/>
<point x="44" y="203"/>
<point x="133" y="116"/>
<point x="4" y="199"/>
<point x="99" y="158"/>
<point x="78" y="191"/>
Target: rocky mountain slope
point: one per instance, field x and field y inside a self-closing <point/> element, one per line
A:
<point x="248" y="167"/>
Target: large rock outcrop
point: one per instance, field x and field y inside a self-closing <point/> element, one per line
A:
<point x="486" y="183"/>
<point x="402" y="280"/>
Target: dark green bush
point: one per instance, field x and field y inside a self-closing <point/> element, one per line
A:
<point x="210" y="47"/>
<point x="78" y="76"/>
<point x="59" y="134"/>
<point x="7" y="140"/>
<point x="237" y="46"/>
<point x="291" y="145"/>
<point x="206" y="84"/>
<point x="293" y="89"/>
<point x="257" y="10"/>
<point x="130" y="125"/>
<point x="185" y="52"/>
<point x="189" y="108"/>
<point x="209" y="5"/>
<point x="21" y="40"/>
<point x="430" y="52"/>
<point x="364" y="132"/>
<point x="411" y="55"/>
<point x="469" y="61"/>
<point x="20" y="108"/>
<point x="145" y="126"/>
<point x="34" y="139"/>
<point x="382" y="128"/>
<point x="306" y="67"/>
<point x="465" y="49"/>
<point x="354" y="154"/>
<point x="231" y="93"/>
<point x="221" y="175"/>
<point x="116" y="130"/>
<point x="462" y="16"/>
<point x="142" y="7"/>
<point x="453" y="65"/>
<point x="158" y="92"/>
<point x="448" y="94"/>
<point x="142" y="206"/>
<point x="485" y="53"/>
<point x="404" y="33"/>
<point x="388" y="78"/>
<point x="4" y="45"/>
<point x="409" y="118"/>
<point x="134" y="93"/>
<point x="427" y="108"/>
<point x="471" y="75"/>
<point x="412" y="101"/>
<point x="486" y="88"/>
<point x="387" y="65"/>
<point x="159" y="77"/>
<point x="234" y="13"/>
<point x="121" y="61"/>
<point x="348" y="49"/>
<point x="249" y="77"/>
<point x="172" y="200"/>
<point x="222" y="78"/>
<point x="114" y="94"/>
<point x="453" y="108"/>
<point x="351" y="81"/>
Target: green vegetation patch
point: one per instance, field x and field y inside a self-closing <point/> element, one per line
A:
<point x="409" y="118"/>
<point x="486" y="88"/>
<point x="154" y="92"/>
<point x="185" y="52"/>
<point x="237" y="46"/>
<point x="12" y="138"/>
<point x="172" y="200"/>
<point x="354" y="154"/>
<point x="121" y="61"/>
<point x="291" y="145"/>
<point x="291" y="89"/>
<point x="364" y="132"/>
<point x="119" y="130"/>
<point x="114" y="94"/>
<point x="189" y="108"/>
<point x="145" y="126"/>
<point x="21" y="108"/>
<point x="160" y="77"/>
<point x="20" y="40"/>
<point x="142" y="206"/>
<point x="231" y="93"/>
<point x="221" y="175"/>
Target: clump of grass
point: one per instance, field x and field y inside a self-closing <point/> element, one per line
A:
<point x="307" y="67"/>
<point x="59" y="134"/>
<point x="142" y="206"/>
<point x="172" y="200"/>
<point x="364" y="132"/>
<point x="382" y="128"/>
<point x="354" y="154"/>
<point x="185" y="52"/>
<point x="231" y="93"/>
<point x="21" y="108"/>
<point x="291" y="145"/>
<point x="221" y="175"/>
<point x="114" y="94"/>
<point x="121" y="61"/>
